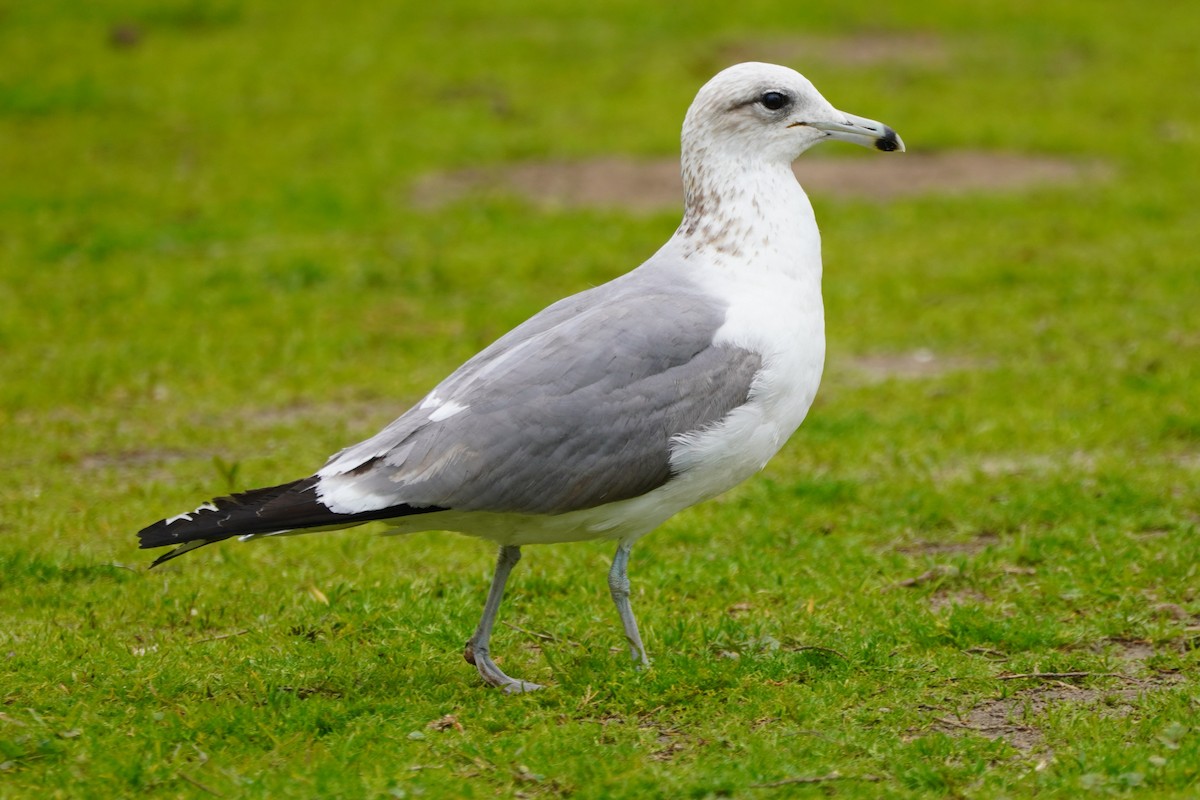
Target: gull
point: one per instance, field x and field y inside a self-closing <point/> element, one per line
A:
<point x="611" y="410"/>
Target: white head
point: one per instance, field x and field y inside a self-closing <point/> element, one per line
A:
<point x="765" y="111"/>
<point x="741" y="134"/>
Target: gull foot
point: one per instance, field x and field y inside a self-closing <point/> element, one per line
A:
<point x="493" y="675"/>
<point x="515" y="686"/>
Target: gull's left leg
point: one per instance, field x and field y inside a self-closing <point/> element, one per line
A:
<point x="618" y="585"/>
<point x="477" y="650"/>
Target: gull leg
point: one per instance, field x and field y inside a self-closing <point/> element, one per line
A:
<point x="618" y="585"/>
<point x="476" y="651"/>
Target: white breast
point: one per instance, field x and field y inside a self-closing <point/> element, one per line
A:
<point x="771" y="278"/>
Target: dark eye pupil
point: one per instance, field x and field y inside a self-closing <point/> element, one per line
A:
<point x="774" y="100"/>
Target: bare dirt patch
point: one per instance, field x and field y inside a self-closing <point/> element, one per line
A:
<point x="919" y="364"/>
<point x="644" y="186"/>
<point x="130" y="458"/>
<point x="1011" y="718"/>
<point x="366" y="415"/>
<point x="1014" y="718"/>
<point x="1188" y="461"/>
<point x="1134" y="656"/>
<point x="996" y="719"/>
<point x="997" y="466"/>
<point x="977" y="544"/>
<point x="1132" y="652"/>
<point x="944" y="599"/>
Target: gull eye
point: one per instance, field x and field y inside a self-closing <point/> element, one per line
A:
<point x="773" y="101"/>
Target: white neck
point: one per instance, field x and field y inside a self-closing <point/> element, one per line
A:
<point x="744" y="210"/>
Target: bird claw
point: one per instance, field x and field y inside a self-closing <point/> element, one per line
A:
<point x="520" y="687"/>
<point x="494" y="676"/>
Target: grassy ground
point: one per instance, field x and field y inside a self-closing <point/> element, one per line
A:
<point x="212" y="278"/>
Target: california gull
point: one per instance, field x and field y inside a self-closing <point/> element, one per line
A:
<point x="617" y="407"/>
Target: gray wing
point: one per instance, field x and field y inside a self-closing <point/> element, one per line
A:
<point x="573" y="409"/>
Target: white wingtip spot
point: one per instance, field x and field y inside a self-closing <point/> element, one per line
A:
<point x="187" y="516"/>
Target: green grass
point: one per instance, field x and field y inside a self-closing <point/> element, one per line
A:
<point x="211" y="278"/>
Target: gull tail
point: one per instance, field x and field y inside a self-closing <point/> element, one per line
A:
<point x="257" y="512"/>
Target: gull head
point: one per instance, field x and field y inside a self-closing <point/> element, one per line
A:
<point x="769" y="112"/>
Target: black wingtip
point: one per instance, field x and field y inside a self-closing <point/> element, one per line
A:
<point x="267" y="510"/>
<point x="273" y="509"/>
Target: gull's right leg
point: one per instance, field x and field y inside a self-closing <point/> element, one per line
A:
<point x="618" y="586"/>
